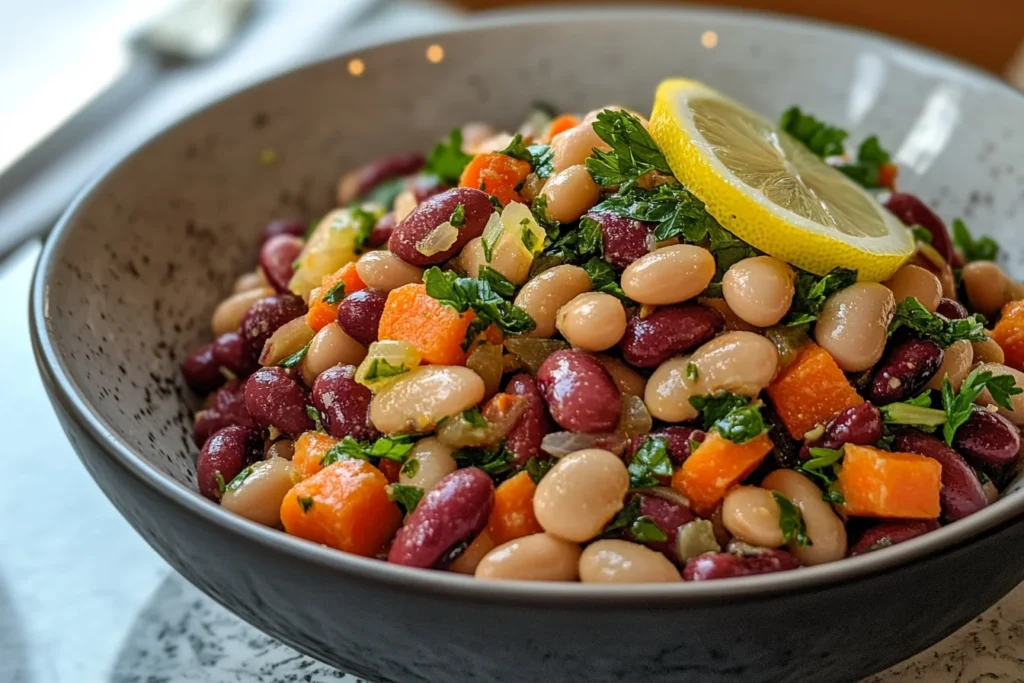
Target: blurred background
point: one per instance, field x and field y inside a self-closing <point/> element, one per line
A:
<point x="82" y="598"/>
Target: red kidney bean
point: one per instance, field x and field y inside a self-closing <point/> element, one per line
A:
<point x="425" y="186"/>
<point x="669" y="516"/>
<point x="953" y="310"/>
<point x="912" y="211"/>
<point x="201" y="370"/>
<point x="726" y="565"/>
<point x="989" y="438"/>
<point x="359" y="314"/>
<point x="885" y="534"/>
<point x="905" y="370"/>
<point x="525" y="437"/>
<point x="224" y="455"/>
<point x="367" y="177"/>
<point x="860" y="425"/>
<point x="266" y="315"/>
<point x="382" y="231"/>
<point x="232" y="353"/>
<point x="678" y="442"/>
<point x="580" y="394"/>
<point x="961" y="493"/>
<point x="285" y="226"/>
<point x="432" y="213"/>
<point x="453" y="511"/>
<point x="226" y="408"/>
<point x="625" y="239"/>
<point x="276" y="258"/>
<point x="344" y="404"/>
<point x="668" y="331"/>
<point x="275" y="398"/>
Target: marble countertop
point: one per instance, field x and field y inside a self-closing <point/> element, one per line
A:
<point x="84" y="600"/>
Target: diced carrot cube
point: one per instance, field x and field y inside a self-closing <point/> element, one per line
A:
<point x="811" y="391"/>
<point x="876" y="483"/>
<point x="715" y="467"/>
<point x="321" y="313"/>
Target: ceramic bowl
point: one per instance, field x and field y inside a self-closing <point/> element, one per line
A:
<point x="128" y="280"/>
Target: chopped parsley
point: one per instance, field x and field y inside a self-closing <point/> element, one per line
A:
<point x="365" y="220"/>
<point x="867" y="169"/>
<point x="543" y="160"/>
<point x="960" y="405"/>
<point x="388" y="447"/>
<point x="821" y="466"/>
<point x="641" y="527"/>
<point x="458" y="217"/>
<point x="219" y="478"/>
<point x="817" y="136"/>
<point x="674" y="209"/>
<point x="912" y="314"/>
<point x="447" y="160"/>
<point x="494" y="460"/>
<point x="714" y="408"/>
<point x="633" y="150"/>
<point x="236" y="483"/>
<point x="603" y="278"/>
<point x="305" y="502"/>
<point x="517" y="150"/>
<point x="733" y="415"/>
<point x="407" y="497"/>
<point x="540" y="214"/>
<point x="537" y="467"/>
<point x="812" y="291"/>
<point x="579" y="244"/>
<point x="488" y="296"/>
<point x="380" y="368"/>
<point x="917" y="412"/>
<point x="296" y="358"/>
<point x="921" y="234"/>
<point x="983" y="249"/>
<point x="336" y="293"/>
<point x="314" y="415"/>
<point x="527" y="237"/>
<point x="650" y="462"/>
<point x="411" y="467"/>
<point x="474" y="418"/>
<point x="791" y="521"/>
<point x="692" y="374"/>
<point x="646" y="530"/>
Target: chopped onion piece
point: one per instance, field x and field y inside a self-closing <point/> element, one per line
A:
<point x="439" y="239"/>
<point x="492" y="235"/>
<point x="285" y="341"/>
<point x="533" y="351"/>
<point x="696" y="538"/>
<point x="564" y="443"/>
<point x="669" y="494"/>
<point x="501" y="415"/>
<point x="518" y="221"/>
<point x="385" y="362"/>
<point x="635" y="420"/>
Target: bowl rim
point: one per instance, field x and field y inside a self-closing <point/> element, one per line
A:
<point x="63" y="390"/>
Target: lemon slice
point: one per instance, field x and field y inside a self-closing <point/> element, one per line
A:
<point x="771" y="191"/>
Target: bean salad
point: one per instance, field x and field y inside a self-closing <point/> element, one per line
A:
<point x="538" y="356"/>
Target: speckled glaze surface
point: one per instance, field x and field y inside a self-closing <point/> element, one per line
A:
<point x="127" y="283"/>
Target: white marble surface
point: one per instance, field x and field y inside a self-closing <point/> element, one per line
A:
<point x="85" y="600"/>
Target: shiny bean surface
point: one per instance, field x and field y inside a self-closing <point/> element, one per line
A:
<point x="825" y="529"/>
<point x="223" y="456"/>
<point x="669" y="275"/>
<point x="612" y="561"/>
<point x="988" y="438"/>
<point x="266" y="315"/>
<point x="751" y="514"/>
<point x="740" y="362"/>
<point x="383" y="271"/>
<point x="508" y="258"/>
<point x="961" y="494"/>
<point x="201" y="370"/>
<point x="1016" y="416"/>
<point x="330" y="347"/>
<point x="343" y="403"/>
<point x="988" y="351"/>
<point x="956" y="365"/>
<point x="425" y="218"/>
<point x="759" y="290"/>
<point x="274" y="398"/>
<point x="570" y="193"/>
<point x="988" y="287"/>
<point x="433" y="460"/>
<point x="727" y="565"/>
<point x="593" y="321"/>
<point x="525" y="437"/>
<point x="359" y="314"/>
<point x="580" y="494"/>
<point x="276" y="258"/>
<point x="905" y="370"/>
<point x="227" y="408"/>
<point x="258" y="496"/>
<point x="668" y="391"/>
<point x="286" y="341"/>
<point x="543" y="295"/>
<point x="580" y="394"/>
<point x="888" y="533"/>
<point x="572" y="147"/>
<point x="420" y="399"/>
<point x="912" y="211"/>
<point x="232" y="353"/>
<point x="229" y="313"/>
<point x="853" y="325"/>
<point x="952" y="309"/>
<point x="625" y="240"/>
<point x="668" y="331"/>
<point x="538" y="557"/>
<point x="915" y="281"/>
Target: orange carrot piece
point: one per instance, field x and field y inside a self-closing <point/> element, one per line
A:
<point x="1009" y="334"/>
<point x="344" y="506"/>
<point x="512" y="515"/>
<point x="320" y="312"/>
<point x="560" y="124"/>
<point x="887" y="175"/>
<point x="310" y="449"/>
<point x="496" y="174"/>
<point x="715" y="467"/>
<point x="437" y="331"/>
<point x="876" y="483"/>
<point x="811" y="391"/>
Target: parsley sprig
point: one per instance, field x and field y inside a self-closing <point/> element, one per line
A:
<point x="407" y="497"/>
<point x="982" y="249"/>
<point x="910" y="313"/>
<point x="603" y="278"/>
<point x="818" y="136"/>
<point x="867" y="169"/>
<point x="732" y="415"/>
<point x="633" y="151"/>
<point x="812" y="291"/>
<point x="494" y="460"/>
<point x="960" y="405"/>
<point x="447" y="160"/>
<point x="488" y="296"/>
<point x="641" y="527"/>
<point x="674" y="209"/>
<point x="791" y="521"/>
<point x="821" y="467"/>
<point x="387" y="447"/>
<point x="649" y="463"/>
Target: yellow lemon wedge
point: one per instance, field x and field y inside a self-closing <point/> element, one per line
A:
<point x="769" y="190"/>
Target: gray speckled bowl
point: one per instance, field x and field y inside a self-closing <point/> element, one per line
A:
<point x="126" y="285"/>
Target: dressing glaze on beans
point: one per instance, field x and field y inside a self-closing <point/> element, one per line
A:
<point x="531" y="363"/>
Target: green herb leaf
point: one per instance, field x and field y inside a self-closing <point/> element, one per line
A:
<point x="387" y="447"/>
<point x="692" y="373"/>
<point x="501" y="285"/>
<point x="494" y="460"/>
<point x="959" y="406"/>
<point x="921" y="234"/>
<point x="295" y="359"/>
<point x="474" y="418"/>
<point x="382" y="193"/>
<point x="235" y="483"/>
<point x="604" y="279"/>
<point x="379" y="369"/>
<point x="624" y="519"/>
<point x="365" y="220"/>
<point x="916" y="412"/>
<point x="405" y="496"/>
<point x="867" y="169"/>
<point x="791" y="521"/>
<point x="982" y="249"/>
<point x="715" y="407"/>
<point x="517" y="150"/>
<point x="458" y="217"/>
<point x="540" y="214"/>
<point x="314" y="415"/>
<point x="633" y="150"/>
<point x="742" y="425"/>
<point x="674" y="209"/>
<point x="821" y="467"/>
<point x="486" y="295"/>
<point x="527" y="237"/>
<point x="591" y="239"/>
<point x="411" y="467"/>
<point x="926" y="325"/>
<point x="646" y="530"/>
<point x="336" y="293"/>
<point x="305" y="502"/>
<point x="447" y="160"/>
<point x="219" y="478"/>
<point x="649" y="462"/>
<point x="819" y="137"/>
<point x="537" y="467"/>
<point x="543" y="160"/>
<point x="812" y="291"/>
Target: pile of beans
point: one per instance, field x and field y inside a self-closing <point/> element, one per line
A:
<point x="528" y="455"/>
